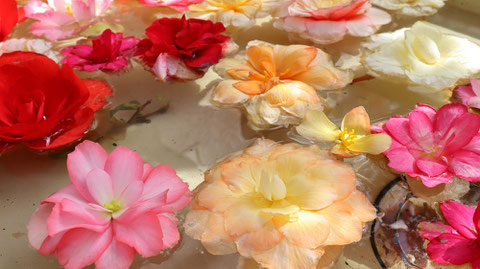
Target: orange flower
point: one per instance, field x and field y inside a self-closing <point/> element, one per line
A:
<point x="281" y="205"/>
<point x="277" y="84"/>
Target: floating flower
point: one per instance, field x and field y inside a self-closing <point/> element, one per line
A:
<point x="456" y="242"/>
<point x="62" y="18"/>
<point x="182" y="48"/>
<point x="277" y="84"/>
<point x="352" y="139"/>
<point x="435" y="145"/>
<point x="237" y="13"/>
<point x="115" y="207"/>
<point x="422" y="55"/>
<point x="44" y="106"/>
<point x="469" y="95"/>
<point x="178" y="5"/>
<point x="326" y="22"/>
<point x="281" y="205"/>
<point x="109" y="51"/>
<point x="411" y="7"/>
<point x="8" y="17"/>
<point x="39" y="46"/>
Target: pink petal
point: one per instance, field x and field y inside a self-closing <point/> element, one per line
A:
<point x="400" y="159"/>
<point x="453" y="249"/>
<point x="79" y="248"/>
<point x="124" y="166"/>
<point x="100" y="186"/>
<point x="421" y="130"/>
<point x="161" y="179"/>
<point x="461" y="132"/>
<point x="144" y="233"/>
<point x="398" y="128"/>
<point x="131" y="193"/>
<point x="433" y="181"/>
<point x="37" y="225"/>
<point x="117" y="256"/>
<point x="360" y="25"/>
<point x="431" y="167"/>
<point x="460" y="217"/>
<point x="178" y="204"/>
<point x="476" y="219"/>
<point x="476" y="264"/>
<point x="474" y="145"/>
<point x="49" y="246"/>
<point x="428" y="110"/>
<point x="430" y="231"/>
<point x="153" y="205"/>
<point x="475" y="83"/>
<point x="81" y="11"/>
<point x="69" y="192"/>
<point x="465" y="94"/>
<point x="465" y="165"/>
<point x="170" y="233"/>
<point x="86" y="157"/>
<point x="147" y="169"/>
<point x="326" y="31"/>
<point x="446" y="115"/>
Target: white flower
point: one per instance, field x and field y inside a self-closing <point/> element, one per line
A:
<point x="32" y="45"/>
<point x="423" y="56"/>
<point x="411" y="7"/>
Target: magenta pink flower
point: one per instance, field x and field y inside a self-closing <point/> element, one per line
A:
<point x="109" y="51"/>
<point x="116" y="206"/>
<point x="435" y="145"/>
<point x="178" y="5"/>
<point x="458" y="242"/>
<point x="469" y="95"/>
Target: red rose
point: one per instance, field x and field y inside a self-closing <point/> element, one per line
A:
<point x="42" y="105"/>
<point x="198" y="43"/>
<point x="8" y="17"/>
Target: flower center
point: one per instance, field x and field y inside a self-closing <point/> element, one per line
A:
<point x="272" y="187"/>
<point x="347" y="138"/>
<point x="425" y="49"/>
<point x="113" y="206"/>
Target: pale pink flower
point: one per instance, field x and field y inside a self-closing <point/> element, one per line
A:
<point x="178" y="5"/>
<point x="326" y="22"/>
<point x="470" y="94"/>
<point x="435" y="145"/>
<point x="117" y="206"/>
<point x="62" y="18"/>
<point x="458" y="242"/>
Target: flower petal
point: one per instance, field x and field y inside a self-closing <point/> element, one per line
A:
<point x="372" y="144"/>
<point x="402" y="160"/>
<point x="117" y="256"/>
<point x="124" y="166"/>
<point x="37" y="225"/>
<point x="460" y="217"/>
<point x="431" y="167"/>
<point x="357" y="119"/>
<point x="170" y="233"/>
<point x="421" y="130"/>
<point x="100" y="186"/>
<point x="465" y="165"/>
<point x="453" y="249"/>
<point x="316" y="126"/>
<point x="432" y="230"/>
<point x="226" y="93"/>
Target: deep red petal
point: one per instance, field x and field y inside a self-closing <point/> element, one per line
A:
<point x="8" y="17"/>
<point x="99" y="90"/>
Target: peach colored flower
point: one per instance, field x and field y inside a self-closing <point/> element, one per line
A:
<point x="276" y="84"/>
<point x="411" y="7"/>
<point x="281" y="205"/>
<point x="326" y="22"/>
<point x="352" y="139"/>
<point x="115" y="207"/>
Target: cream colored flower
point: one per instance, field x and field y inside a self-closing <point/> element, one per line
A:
<point x="411" y="7"/>
<point x="353" y="138"/>
<point x="237" y="13"/>
<point x="281" y="205"/>
<point x="32" y="45"/>
<point x="423" y="55"/>
<point x="276" y="84"/>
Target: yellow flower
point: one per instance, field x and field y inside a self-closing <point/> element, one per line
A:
<point x="353" y="138"/>
<point x="276" y="84"/>
<point x="281" y="205"/>
<point x="238" y="13"/>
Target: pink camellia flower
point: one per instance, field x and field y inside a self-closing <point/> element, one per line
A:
<point x="109" y="51"/>
<point x="458" y="242"/>
<point x="326" y="22"/>
<point x="435" y="145"/>
<point x="116" y="206"/>
<point x="178" y="5"/>
<point x="62" y="18"/>
<point x="469" y="95"/>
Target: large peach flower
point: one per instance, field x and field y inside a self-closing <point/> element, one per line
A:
<point x="326" y="22"/>
<point x="281" y="205"/>
<point x="237" y="13"/>
<point x="276" y="84"/>
<point x="411" y="7"/>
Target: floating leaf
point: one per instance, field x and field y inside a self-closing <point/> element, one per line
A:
<point x="133" y="105"/>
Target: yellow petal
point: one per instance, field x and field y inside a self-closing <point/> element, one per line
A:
<point x="372" y="144"/>
<point x="357" y="119"/>
<point x="215" y="196"/>
<point x="244" y="217"/>
<point x="361" y="206"/>
<point x="236" y="63"/>
<point x="351" y="227"/>
<point x="250" y="87"/>
<point x="259" y="240"/>
<point x="316" y="126"/>
<point x="226" y="93"/>
<point x="304" y="229"/>
<point x="291" y="60"/>
<point x="272" y="186"/>
<point x="239" y="174"/>
<point x="341" y="151"/>
<point x="261" y="58"/>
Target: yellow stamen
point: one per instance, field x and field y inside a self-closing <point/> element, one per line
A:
<point x="113" y="206"/>
<point x="347" y="138"/>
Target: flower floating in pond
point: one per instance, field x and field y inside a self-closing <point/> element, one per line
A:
<point x="8" y="17"/>
<point x="435" y="145"/>
<point x="326" y="22"/>
<point x="62" y="18"/>
<point x="115" y="207"/>
<point x="456" y="242"/>
<point x="109" y="51"/>
<point x="353" y="138"/>
<point x="178" y="5"/>
<point x="39" y="46"/>
<point x="469" y="95"/>
<point x="44" y="106"/>
<point x="237" y="13"/>
<point x="411" y="7"/>
<point x="281" y="205"/>
<point x="277" y="84"/>
<point x="183" y="49"/>
<point x="423" y="56"/>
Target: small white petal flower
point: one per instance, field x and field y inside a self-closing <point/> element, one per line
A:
<point x="411" y="7"/>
